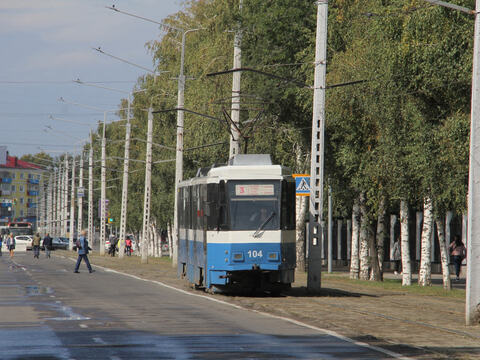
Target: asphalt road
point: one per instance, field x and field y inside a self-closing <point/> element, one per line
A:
<point x="48" y="312"/>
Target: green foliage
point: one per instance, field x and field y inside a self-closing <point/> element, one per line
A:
<point x="403" y="133"/>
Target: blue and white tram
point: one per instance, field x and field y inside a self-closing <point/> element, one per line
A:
<point x="237" y="226"/>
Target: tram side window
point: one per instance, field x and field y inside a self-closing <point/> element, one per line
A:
<point x="222" y="206"/>
<point x="193" y="205"/>
<point x="288" y="205"/>
<point x="211" y="207"/>
<point x="202" y="202"/>
<point x="181" y="207"/>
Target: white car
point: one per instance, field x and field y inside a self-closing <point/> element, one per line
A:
<point x="25" y="240"/>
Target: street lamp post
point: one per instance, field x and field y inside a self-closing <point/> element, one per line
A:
<point x="103" y="190"/>
<point x="65" y="200"/>
<point x="80" y="198"/>
<point x="90" y="192"/>
<point x="148" y="184"/>
<point x="72" y="206"/>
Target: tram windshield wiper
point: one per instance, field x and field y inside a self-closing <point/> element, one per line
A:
<point x="262" y="225"/>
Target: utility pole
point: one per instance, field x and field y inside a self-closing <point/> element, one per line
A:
<point x="179" y="153"/>
<point x="80" y="198"/>
<point x="123" y="214"/>
<point x="72" y="206"/>
<point x="49" y="203"/>
<point x="91" y="230"/>
<point x="316" y="169"/>
<point x="237" y="64"/>
<point x="58" y="200"/>
<point x="329" y="232"/>
<point x="472" y="304"/>
<point x="65" y="197"/>
<point x="103" y="190"/>
<point x="148" y="183"/>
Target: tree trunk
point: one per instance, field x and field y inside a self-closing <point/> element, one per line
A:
<point x="447" y="285"/>
<point x="170" y="240"/>
<point x="381" y="232"/>
<point x="301" y="214"/>
<point x="375" y="273"/>
<point x="425" y="271"/>
<point x="364" y="224"/>
<point x="404" y="245"/>
<point x="354" y="256"/>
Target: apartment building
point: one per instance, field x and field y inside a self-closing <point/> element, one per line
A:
<point x="20" y="184"/>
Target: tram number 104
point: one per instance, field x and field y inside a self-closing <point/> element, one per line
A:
<point x="254" y="253"/>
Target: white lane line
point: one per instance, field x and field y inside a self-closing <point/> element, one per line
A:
<point x="292" y="321"/>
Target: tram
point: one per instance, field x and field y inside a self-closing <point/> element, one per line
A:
<point x="237" y="226"/>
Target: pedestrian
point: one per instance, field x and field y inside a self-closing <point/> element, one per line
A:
<point x="1" y="243"/>
<point x="82" y="248"/>
<point x="458" y="253"/>
<point x="47" y="245"/>
<point x="397" y="256"/>
<point x="11" y="244"/>
<point x="128" y="246"/>
<point x="36" y="245"/>
<point x="113" y="245"/>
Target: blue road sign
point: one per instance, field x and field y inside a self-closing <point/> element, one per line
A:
<point x="302" y="184"/>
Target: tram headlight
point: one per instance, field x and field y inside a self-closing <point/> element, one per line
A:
<point x="237" y="256"/>
<point x="273" y="256"/>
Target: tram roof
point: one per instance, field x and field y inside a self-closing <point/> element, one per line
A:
<point x="242" y="167"/>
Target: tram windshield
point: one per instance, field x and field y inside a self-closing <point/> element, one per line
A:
<point x="254" y="205"/>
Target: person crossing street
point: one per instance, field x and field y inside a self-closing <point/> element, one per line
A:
<point x="47" y="244"/>
<point x="82" y="246"/>
<point x="36" y="245"/>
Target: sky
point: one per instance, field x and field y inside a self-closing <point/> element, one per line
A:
<point x="46" y="44"/>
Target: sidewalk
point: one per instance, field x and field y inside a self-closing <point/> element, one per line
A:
<point x="425" y="323"/>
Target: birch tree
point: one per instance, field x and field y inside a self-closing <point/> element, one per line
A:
<point x="425" y="271"/>
<point x="381" y="231"/>
<point x="447" y="285"/>
<point x="354" y="249"/>
<point x="301" y="204"/>
<point x="404" y="245"/>
<point x="363" y="254"/>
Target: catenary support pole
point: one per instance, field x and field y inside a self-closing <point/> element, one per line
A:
<point x="235" y="113"/>
<point x="91" y="230"/>
<point x="50" y="203"/>
<point x="65" y="198"/>
<point x="58" y="200"/>
<point x="472" y="305"/>
<point x="103" y="189"/>
<point x="148" y="182"/>
<point x="72" y="207"/>
<point x="80" y="198"/>
<point x="123" y="213"/>
<point x="329" y="232"/>
<point x="316" y="169"/>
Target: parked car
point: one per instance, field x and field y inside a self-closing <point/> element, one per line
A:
<point x="24" y="240"/>
<point x="60" y="243"/>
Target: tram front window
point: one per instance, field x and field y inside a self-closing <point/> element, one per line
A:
<point x="254" y="205"/>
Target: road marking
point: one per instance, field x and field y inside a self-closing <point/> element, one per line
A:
<point x="83" y="326"/>
<point x="98" y="340"/>
<point x="292" y="321"/>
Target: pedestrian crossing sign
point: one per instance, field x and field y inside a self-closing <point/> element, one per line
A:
<point x="302" y="184"/>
